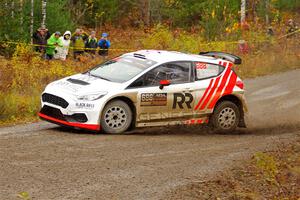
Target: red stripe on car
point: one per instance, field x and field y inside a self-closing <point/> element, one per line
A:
<point x="199" y="121"/>
<point x="231" y="84"/>
<point x="211" y="93"/>
<point x="225" y="64"/>
<point x="204" y="95"/>
<point x="220" y="88"/>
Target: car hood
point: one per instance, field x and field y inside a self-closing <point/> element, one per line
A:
<point x="82" y="84"/>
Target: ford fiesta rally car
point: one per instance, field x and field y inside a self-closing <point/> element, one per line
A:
<point x="150" y="88"/>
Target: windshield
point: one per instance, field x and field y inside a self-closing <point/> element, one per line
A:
<point x="121" y="69"/>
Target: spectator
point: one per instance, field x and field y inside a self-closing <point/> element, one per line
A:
<point x="243" y="47"/>
<point x="53" y="42"/>
<point x="104" y="45"/>
<point x="91" y="43"/>
<point x="270" y="31"/>
<point x="62" y="52"/>
<point x="291" y="28"/>
<point x="40" y="38"/>
<point x="78" y="39"/>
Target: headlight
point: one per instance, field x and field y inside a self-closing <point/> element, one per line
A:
<point x="91" y="97"/>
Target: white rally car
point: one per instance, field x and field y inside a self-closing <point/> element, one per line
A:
<point x="150" y="88"/>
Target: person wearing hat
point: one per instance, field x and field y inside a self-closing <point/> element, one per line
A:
<point x="78" y="39"/>
<point x="104" y="45"/>
<point x="40" y="38"/>
<point x="62" y="52"/>
<point x="53" y="42"/>
<point x="91" y="43"/>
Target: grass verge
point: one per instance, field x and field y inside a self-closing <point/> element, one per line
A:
<point x="268" y="175"/>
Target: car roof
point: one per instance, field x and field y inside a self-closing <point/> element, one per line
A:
<point x="162" y="56"/>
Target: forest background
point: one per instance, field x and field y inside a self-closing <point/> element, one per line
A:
<point x="182" y="25"/>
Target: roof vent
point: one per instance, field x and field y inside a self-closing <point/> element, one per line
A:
<point x="139" y="56"/>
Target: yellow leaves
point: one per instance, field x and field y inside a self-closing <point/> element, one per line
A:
<point x="228" y="30"/>
<point x="267" y="164"/>
<point x="213" y="14"/>
<point x="99" y="15"/>
<point x="235" y="27"/>
<point x="24" y="195"/>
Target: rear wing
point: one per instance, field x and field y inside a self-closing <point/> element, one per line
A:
<point x="225" y="56"/>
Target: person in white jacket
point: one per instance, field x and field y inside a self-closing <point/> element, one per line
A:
<point x="62" y="52"/>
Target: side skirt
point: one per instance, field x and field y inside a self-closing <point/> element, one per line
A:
<point x="194" y="121"/>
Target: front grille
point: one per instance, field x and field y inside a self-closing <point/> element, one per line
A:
<point x="52" y="112"/>
<point x="55" y="100"/>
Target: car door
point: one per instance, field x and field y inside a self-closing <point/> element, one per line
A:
<point x="162" y="105"/>
<point x="207" y="81"/>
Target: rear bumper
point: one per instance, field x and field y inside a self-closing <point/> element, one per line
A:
<point x="92" y="127"/>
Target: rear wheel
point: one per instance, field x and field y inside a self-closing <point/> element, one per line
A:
<point x="226" y="117"/>
<point x="116" y="117"/>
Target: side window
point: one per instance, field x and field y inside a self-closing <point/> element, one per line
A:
<point x="206" y="70"/>
<point x="177" y="72"/>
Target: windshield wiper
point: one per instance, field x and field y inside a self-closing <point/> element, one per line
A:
<point x="97" y="76"/>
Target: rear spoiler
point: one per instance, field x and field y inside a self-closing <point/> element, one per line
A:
<point x="225" y="56"/>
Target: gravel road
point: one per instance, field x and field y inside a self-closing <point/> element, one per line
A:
<point x="50" y="162"/>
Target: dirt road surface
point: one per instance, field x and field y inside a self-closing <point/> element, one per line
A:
<point x="50" y="162"/>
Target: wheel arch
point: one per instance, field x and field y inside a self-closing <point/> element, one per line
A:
<point x="131" y="105"/>
<point x="237" y="101"/>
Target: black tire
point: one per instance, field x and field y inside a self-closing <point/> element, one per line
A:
<point x="226" y="117"/>
<point x="116" y="117"/>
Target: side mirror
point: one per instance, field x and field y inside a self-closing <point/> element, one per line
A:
<point x="164" y="83"/>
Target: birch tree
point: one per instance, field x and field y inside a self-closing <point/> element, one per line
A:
<point x="243" y="11"/>
<point x="31" y="20"/>
<point x="12" y="8"/>
<point x="267" y="12"/>
<point x="44" y="12"/>
<point x="21" y="14"/>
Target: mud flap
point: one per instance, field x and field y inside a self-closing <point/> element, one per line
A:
<point x="242" y="123"/>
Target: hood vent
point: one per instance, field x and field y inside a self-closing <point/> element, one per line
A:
<point x="76" y="81"/>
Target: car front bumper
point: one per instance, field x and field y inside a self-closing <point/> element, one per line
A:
<point x="92" y="127"/>
<point x="71" y="113"/>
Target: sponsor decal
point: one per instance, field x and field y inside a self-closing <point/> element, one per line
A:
<point x="85" y="105"/>
<point x="200" y="65"/>
<point x="196" y="121"/>
<point x="182" y="98"/>
<point x="163" y="115"/>
<point x="154" y="99"/>
<point x="68" y="86"/>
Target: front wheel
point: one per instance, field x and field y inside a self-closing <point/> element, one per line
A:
<point x="116" y="117"/>
<point x="226" y="117"/>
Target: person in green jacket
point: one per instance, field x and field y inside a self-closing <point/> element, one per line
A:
<point x="53" y="42"/>
<point x="78" y="39"/>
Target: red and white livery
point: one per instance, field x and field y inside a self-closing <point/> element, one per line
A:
<point x="150" y="88"/>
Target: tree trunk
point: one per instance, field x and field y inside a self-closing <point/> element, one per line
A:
<point x="267" y="12"/>
<point x="254" y="8"/>
<point x="145" y="11"/>
<point x="32" y="20"/>
<point x="21" y="14"/>
<point x="44" y="12"/>
<point x="243" y="11"/>
<point x="6" y="6"/>
<point x="13" y="9"/>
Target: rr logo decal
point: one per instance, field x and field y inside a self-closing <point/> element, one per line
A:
<point x="182" y="98"/>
